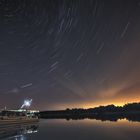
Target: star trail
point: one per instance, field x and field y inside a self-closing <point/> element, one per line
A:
<point x="69" y="53"/>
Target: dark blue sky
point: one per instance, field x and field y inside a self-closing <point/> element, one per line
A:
<point x="69" y="53"/>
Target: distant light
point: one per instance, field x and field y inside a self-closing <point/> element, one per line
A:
<point x="27" y="103"/>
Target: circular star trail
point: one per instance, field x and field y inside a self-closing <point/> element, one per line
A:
<point x="69" y="53"/>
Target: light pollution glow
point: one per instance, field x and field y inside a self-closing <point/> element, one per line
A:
<point x="86" y="105"/>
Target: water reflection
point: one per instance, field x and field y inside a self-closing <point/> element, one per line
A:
<point x="87" y="129"/>
<point x="102" y="117"/>
<point x="79" y="128"/>
<point x="17" y="132"/>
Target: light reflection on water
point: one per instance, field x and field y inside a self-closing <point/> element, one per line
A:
<point x="17" y="132"/>
<point x="83" y="130"/>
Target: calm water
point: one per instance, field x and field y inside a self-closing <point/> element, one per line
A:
<point x="80" y="130"/>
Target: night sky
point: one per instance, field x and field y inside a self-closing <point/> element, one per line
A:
<point x="69" y="53"/>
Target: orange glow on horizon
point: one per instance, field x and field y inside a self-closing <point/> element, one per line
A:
<point x="116" y="100"/>
<point x="116" y="103"/>
<point x="101" y="103"/>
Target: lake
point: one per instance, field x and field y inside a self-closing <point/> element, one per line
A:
<point x="60" y="129"/>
